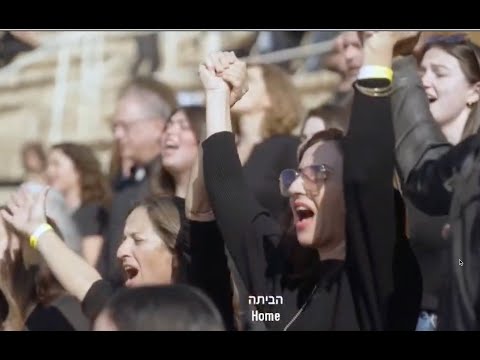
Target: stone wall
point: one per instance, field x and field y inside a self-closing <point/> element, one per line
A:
<point x="65" y="90"/>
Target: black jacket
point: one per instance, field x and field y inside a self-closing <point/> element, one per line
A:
<point x="441" y="179"/>
<point x="412" y="119"/>
<point x="379" y="285"/>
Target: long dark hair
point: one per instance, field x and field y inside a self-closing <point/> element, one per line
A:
<point x="162" y="182"/>
<point x="303" y="262"/>
<point x="93" y="184"/>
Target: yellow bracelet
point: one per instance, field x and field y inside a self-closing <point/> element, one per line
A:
<point x="39" y="231"/>
<point x="375" y="72"/>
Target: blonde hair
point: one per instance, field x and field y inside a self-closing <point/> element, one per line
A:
<point x="286" y="111"/>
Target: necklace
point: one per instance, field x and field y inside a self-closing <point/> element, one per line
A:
<point x="301" y="309"/>
<point x="310" y="297"/>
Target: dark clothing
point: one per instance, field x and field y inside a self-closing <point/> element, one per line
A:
<point x="418" y="140"/>
<point x="91" y="219"/>
<point x="432" y="253"/>
<point x="10" y="47"/>
<point x="441" y="179"/>
<point x="208" y="269"/>
<point x="261" y="172"/>
<point x="202" y="264"/>
<point x="147" y="53"/>
<point x="330" y="308"/>
<point x="410" y="106"/>
<point x="379" y="285"/>
<point x="96" y="298"/>
<point x="64" y="314"/>
<point x="119" y="181"/>
<point x="263" y="168"/>
<point x="123" y="202"/>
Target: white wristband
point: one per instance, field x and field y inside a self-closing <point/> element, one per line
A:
<point x="375" y="72"/>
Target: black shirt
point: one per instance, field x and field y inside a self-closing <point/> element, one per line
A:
<point x="64" y="314"/>
<point x="383" y="277"/>
<point x="96" y="298"/>
<point x="328" y="299"/>
<point x="203" y="264"/>
<point x="90" y="219"/>
<point x="432" y="252"/>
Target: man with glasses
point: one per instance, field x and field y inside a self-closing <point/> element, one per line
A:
<point x="137" y="125"/>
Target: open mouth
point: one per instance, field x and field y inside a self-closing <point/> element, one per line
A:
<point x="170" y="148"/>
<point x="304" y="213"/>
<point x="130" y="272"/>
<point x="170" y="143"/>
<point x="304" y="217"/>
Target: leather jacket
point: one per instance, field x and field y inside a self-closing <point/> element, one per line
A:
<point x="441" y="179"/>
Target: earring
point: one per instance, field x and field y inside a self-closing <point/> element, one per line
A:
<point x="470" y="104"/>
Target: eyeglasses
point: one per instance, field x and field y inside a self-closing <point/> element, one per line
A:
<point x="313" y="177"/>
<point x="128" y="125"/>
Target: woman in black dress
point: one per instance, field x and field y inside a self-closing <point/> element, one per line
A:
<point x="343" y="203"/>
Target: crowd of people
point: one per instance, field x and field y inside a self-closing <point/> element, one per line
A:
<point x="366" y="220"/>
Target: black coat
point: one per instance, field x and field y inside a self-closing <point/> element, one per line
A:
<point x="379" y="285"/>
<point x="441" y="179"/>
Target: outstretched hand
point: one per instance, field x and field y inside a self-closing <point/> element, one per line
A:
<point x="222" y="71"/>
<point x="26" y="211"/>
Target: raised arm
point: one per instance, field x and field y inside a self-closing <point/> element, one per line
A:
<point x="240" y="218"/>
<point x="27" y="214"/>
<point x="233" y="203"/>
<point x="419" y="143"/>
<point x="197" y="204"/>
<point x="208" y="267"/>
<point x="426" y="161"/>
<point x="368" y="171"/>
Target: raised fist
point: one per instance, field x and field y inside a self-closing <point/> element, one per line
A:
<point x="222" y="71"/>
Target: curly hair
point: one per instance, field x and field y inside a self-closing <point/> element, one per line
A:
<point x="93" y="184"/>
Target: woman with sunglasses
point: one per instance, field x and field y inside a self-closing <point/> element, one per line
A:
<point x="432" y="113"/>
<point x="343" y="203"/>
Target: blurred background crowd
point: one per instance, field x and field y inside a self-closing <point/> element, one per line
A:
<point x="107" y="118"/>
<point x="58" y="86"/>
